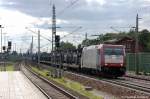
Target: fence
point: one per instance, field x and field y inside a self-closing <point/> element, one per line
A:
<point x="143" y="61"/>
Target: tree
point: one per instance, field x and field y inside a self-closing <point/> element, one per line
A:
<point x="144" y="40"/>
<point x="131" y="33"/>
<point x="66" y="46"/>
<point x="79" y="46"/>
<point x="86" y="42"/>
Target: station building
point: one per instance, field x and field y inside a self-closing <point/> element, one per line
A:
<point x="128" y="42"/>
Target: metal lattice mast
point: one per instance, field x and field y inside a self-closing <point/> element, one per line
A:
<point x="53" y="27"/>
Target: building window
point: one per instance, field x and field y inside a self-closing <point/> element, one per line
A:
<point x="128" y="45"/>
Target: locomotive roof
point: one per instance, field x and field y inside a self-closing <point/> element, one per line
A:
<point x="93" y="47"/>
<point x="100" y="46"/>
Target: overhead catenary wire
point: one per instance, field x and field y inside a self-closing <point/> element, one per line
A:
<point x="71" y="32"/>
<point x="67" y="7"/>
<point x="40" y="34"/>
<point x="114" y="28"/>
<point x="60" y="13"/>
<point x="65" y="35"/>
<point x="51" y="2"/>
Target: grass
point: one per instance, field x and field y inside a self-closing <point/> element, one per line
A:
<point x="69" y="84"/>
<point x="77" y="87"/>
<point x="9" y="67"/>
<point x="42" y="72"/>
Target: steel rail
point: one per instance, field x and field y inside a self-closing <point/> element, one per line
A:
<point x="48" y="97"/>
<point x="137" y="87"/>
<point x="131" y="85"/>
<point x="52" y="84"/>
<point x="137" y="78"/>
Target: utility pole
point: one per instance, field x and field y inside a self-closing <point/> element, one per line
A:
<point x="20" y="51"/>
<point x="101" y="38"/>
<point x="38" y="47"/>
<point x="1" y="37"/>
<point x="1" y="40"/>
<point x="54" y="35"/>
<point x="85" y="36"/>
<point x="4" y="39"/>
<point x="53" y="27"/>
<point x="55" y="38"/>
<point x="137" y="44"/>
<point x="32" y="47"/>
<point x="86" y="39"/>
<point x="14" y="47"/>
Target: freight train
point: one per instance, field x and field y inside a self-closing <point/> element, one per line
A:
<point x="104" y="58"/>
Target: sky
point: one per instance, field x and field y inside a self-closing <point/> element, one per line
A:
<point x="19" y="17"/>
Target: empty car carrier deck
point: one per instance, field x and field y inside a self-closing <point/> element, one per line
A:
<point x="15" y="85"/>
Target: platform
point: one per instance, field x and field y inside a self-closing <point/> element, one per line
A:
<point x="15" y="85"/>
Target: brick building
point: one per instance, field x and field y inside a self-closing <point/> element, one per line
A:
<point x="127" y="41"/>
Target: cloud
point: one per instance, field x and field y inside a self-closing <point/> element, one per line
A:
<point x="100" y="2"/>
<point x="95" y="16"/>
<point x="14" y="23"/>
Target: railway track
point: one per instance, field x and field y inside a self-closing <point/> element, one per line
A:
<point x="140" y="81"/>
<point x="134" y="77"/>
<point x="139" y="87"/>
<point x="48" y="97"/>
<point x="50" y="90"/>
<point x="142" y="87"/>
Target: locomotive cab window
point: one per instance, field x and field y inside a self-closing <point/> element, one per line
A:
<point x="113" y="51"/>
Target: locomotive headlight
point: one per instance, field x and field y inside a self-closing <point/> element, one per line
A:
<point x="106" y="64"/>
<point x="121" y="64"/>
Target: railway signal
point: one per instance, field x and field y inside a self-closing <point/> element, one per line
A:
<point x="9" y="45"/>
<point x="57" y="41"/>
<point x="4" y="48"/>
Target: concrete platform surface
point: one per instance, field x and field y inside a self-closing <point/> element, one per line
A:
<point x="15" y="85"/>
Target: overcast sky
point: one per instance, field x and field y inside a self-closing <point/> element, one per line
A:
<point x="94" y="16"/>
